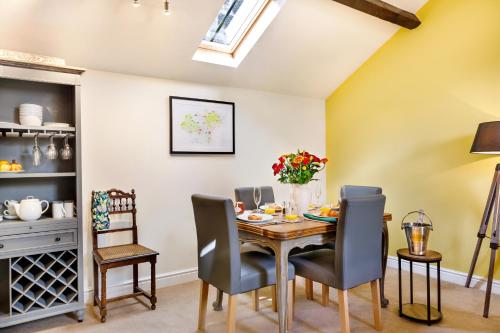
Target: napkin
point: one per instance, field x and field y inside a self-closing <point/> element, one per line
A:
<point x="324" y="219"/>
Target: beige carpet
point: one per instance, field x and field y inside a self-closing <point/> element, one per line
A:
<point x="177" y="312"/>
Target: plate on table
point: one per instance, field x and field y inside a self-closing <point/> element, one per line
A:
<point x="246" y="216"/>
<point x="10" y="217"/>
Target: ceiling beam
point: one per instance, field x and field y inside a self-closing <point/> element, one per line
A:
<point x="384" y="11"/>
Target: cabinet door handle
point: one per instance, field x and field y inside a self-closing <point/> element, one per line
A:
<point x="1" y="246"/>
<point x="58" y="239"/>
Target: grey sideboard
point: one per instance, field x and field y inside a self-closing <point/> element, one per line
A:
<point x="41" y="266"/>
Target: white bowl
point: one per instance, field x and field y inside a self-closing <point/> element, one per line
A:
<point x="30" y="121"/>
<point x="30" y="107"/>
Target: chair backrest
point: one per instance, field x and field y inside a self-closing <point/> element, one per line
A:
<point x="245" y="195"/>
<point x="218" y="243"/>
<point x="351" y="191"/>
<point x="358" y="244"/>
<point x="120" y="203"/>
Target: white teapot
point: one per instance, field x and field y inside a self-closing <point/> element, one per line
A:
<point x="30" y="209"/>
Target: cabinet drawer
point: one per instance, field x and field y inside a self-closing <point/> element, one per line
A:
<point x="37" y="241"/>
<point x="44" y="224"/>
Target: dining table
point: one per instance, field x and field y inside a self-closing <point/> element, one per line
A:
<point x="283" y="237"/>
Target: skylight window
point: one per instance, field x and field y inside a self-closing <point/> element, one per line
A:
<point x="235" y="30"/>
<point x="233" y="20"/>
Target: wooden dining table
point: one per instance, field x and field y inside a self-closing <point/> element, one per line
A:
<point x="283" y="237"/>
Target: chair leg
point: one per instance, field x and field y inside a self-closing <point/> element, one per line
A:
<point x="274" y="298"/>
<point x="294" y="285"/>
<point x="290" y="305"/>
<point x="255" y="297"/>
<point x="153" y="283"/>
<point x="231" y="313"/>
<point x="377" y="311"/>
<point x="135" y="279"/>
<point x="96" y="282"/>
<point x="102" y="307"/>
<point x="309" y="289"/>
<point x="325" y="294"/>
<point x="202" y="311"/>
<point x="344" y="311"/>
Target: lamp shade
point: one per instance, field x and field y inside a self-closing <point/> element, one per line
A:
<point x="487" y="140"/>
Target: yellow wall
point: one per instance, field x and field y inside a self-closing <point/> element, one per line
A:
<point x="406" y="119"/>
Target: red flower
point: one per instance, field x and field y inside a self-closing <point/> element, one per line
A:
<point x="315" y="158"/>
<point x="282" y="159"/>
<point x="277" y="168"/>
<point x="306" y="160"/>
<point x="295" y="165"/>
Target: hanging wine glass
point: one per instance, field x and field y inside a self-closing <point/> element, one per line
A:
<point x="51" y="149"/>
<point x="66" y="152"/>
<point x="37" y="153"/>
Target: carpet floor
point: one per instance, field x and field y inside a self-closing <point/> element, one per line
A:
<point x="177" y="311"/>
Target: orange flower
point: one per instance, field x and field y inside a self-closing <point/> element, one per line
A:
<point x="298" y="159"/>
<point x="324" y="160"/>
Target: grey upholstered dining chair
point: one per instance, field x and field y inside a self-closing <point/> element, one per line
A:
<point x="220" y="262"/>
<point x="357" y="258"/>
<point x="245" y="195"/>
<point x="353" y="191"/>
<point x="346" y="191"/>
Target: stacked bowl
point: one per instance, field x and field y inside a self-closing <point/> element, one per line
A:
<point x="30" y="114"/>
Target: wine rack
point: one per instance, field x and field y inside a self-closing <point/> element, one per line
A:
<point x="43" y="281"/>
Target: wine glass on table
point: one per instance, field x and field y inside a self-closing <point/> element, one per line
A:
<point x="317" y="193"/>
<point x="257" y="196"/>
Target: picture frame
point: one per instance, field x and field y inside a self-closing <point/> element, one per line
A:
<point x="201" y="126"/>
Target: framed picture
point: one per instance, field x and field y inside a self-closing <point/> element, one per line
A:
<point x="200" y="126"/>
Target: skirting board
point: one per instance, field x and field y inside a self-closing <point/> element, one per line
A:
<point x="447" y="275"/>
<point x="162" y="280"/>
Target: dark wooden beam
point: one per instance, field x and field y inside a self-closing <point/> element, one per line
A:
<point x="384" y="11"/>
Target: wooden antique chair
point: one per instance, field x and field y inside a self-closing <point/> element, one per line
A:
<point x="121" y="255"/>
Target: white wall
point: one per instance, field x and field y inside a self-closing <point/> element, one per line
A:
<point x="126" y="145"/>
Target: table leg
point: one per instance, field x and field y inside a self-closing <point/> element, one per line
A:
<point x="400" y="288"/>
<point x="428" y="295"/>
<point x="281" y="284"/>
<point x="385" y="252"/>
<point x="217" y="304"/>
<point x="411" y="282"/>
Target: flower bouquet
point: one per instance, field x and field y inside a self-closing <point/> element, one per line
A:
<point x="298" y="169"/>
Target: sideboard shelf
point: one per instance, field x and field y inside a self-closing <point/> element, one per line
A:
<point x="16" y="130"/>
<point x="10" y="175"/>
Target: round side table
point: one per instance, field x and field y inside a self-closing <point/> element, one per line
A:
<point x="421" y="312"/>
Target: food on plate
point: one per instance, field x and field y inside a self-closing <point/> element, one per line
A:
<point x="291" y="217"/>
<point x="253" y="217"/>
<point x="328" y="212"/>
<point x="4" y="166"/>
<point x="14" y="166"/>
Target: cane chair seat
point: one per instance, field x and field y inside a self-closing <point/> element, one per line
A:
<point x="123" y="252"/>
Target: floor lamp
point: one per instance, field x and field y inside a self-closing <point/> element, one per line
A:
<point x="487" y="141"/>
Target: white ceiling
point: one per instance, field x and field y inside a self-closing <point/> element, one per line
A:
<point x="309" y="49"/>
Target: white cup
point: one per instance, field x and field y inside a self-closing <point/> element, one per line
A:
<point x="58" y="211"/>
<point x="69" y="208"/>
<point x="11" y="211"/>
